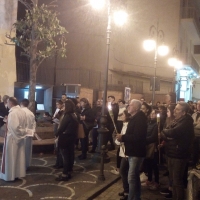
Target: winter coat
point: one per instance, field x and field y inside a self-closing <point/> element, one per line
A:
<point x="67" y="132"/>
<point x="135" y="136"/>
<point x="179" y="137"/>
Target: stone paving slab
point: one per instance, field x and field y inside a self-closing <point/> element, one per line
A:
<point x="40" y="183"/>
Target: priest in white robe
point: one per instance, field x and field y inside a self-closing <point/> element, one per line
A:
<point x="13" y="159"/>
<point x="30" y="117"/>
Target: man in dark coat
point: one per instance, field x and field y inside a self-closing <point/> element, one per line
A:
<point x="3" y="109"/>
<point x="135" y="147"/>
<point x="178" y="139"/>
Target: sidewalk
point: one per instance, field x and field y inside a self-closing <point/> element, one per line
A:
<point x="40" y="184"/>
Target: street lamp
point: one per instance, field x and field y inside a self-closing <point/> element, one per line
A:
<point x="119" y="18"/>
<point x="176" y="63"/>
<point x="162" y="50"/>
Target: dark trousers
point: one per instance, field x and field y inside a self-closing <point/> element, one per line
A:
<point x="84" y="143"/>
<point x="110" y="127"/>
<point x="68" y="158"/>
<point x="196" y="150"/>
<point x="152" y="168"/>
<point x="176" y="169"/>
<point x="124" y="166"/>
<point x="94" y="138"/>
<point x="118" y="158"/>
<point x="119" y="126"/>
<point x="59" y="159"/>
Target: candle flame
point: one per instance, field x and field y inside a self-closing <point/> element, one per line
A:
<point x="158" y="115"/>
<point x="109" y="107"/>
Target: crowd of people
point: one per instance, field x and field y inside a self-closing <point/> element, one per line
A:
<point x="146" y="135"/>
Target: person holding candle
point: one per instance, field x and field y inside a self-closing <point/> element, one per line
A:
<point x="114" y="107"/>
<point x="124" y="166"/>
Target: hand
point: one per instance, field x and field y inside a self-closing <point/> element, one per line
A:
<point x="119" y="137"/>
<point x="82" y="118"/>
<point x="160" y="146"/>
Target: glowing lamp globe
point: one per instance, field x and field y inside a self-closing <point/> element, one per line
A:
<point x="97" y="4"/>
<point x="149" y="45"/>
<point x="163" y="50"/>
<point x="120" y="17"/>
<point x="172" y="62"/>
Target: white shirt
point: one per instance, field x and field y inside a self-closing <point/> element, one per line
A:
<point x="122" y="147"/>
<point x="17" y="123"/>
<point x="31" y="125"/>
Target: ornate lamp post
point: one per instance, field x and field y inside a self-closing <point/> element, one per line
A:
<point x="119" y="18"/>
<point x="150" y="45"/>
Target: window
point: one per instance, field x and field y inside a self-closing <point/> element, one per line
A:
<point x="26" y="93"/>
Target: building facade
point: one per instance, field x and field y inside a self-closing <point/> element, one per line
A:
<point x="129" y="64"/>
<point x="8" y="13"/>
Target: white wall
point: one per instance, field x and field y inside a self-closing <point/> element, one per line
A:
<point x="8" y="15"/>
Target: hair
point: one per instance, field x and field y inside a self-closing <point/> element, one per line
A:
<point x="169" y="120"/>
<point x="127" y="115"/>
<point x="156" y="111"/>
<point x="69" y="106"/>
<point x="13" y="100"/>
<point x="85" y="101"/>
<point x="75" y="101"/>
<point x="147" y="107"/>
<point x="111" y="97"/>
<point x="64" y="95"/>
<point x="59" y="102"/>
<point x="47" y="114"/>
<point x="163" y="108"/>
<point x="120" y="100"/>
<point x="5" y="98"/>
<point x="25" y="102"/>
<point x="137" y="102"/>
<point x="185" y="106"/>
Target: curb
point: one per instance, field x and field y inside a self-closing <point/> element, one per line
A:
<point x="101" y="189"/>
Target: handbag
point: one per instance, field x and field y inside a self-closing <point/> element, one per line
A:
<point x="89" y="125"/>
<point x="81" y="133"/>
<point x="150" y="150"/>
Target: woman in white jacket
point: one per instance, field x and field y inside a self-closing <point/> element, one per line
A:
<point x="124" y="166"/>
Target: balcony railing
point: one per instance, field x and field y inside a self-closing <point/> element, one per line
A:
<point x="191" y="13"/>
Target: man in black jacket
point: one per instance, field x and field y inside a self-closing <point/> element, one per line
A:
<point x="178" y="139"/>
<point x="135" y="147"/>
<point x="3" y="109"/>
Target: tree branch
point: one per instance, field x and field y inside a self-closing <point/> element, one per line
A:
<point x="27" y="5"/>
<point x="8" y="43"/>
<point x="41" y="62"/>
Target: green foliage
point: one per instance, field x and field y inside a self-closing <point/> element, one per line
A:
<point x="40" y="32"/>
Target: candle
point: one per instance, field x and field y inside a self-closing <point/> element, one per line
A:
<point x="109" y="107"/>
<point x="158" y="117"/>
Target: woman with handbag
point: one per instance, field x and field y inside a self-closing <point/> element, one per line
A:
<point x="87" y="119"/>
<point x="67" y="134"/>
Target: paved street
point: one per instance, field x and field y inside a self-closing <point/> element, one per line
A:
<point x="40" y="184"/>
<point x="40" y="180"/>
